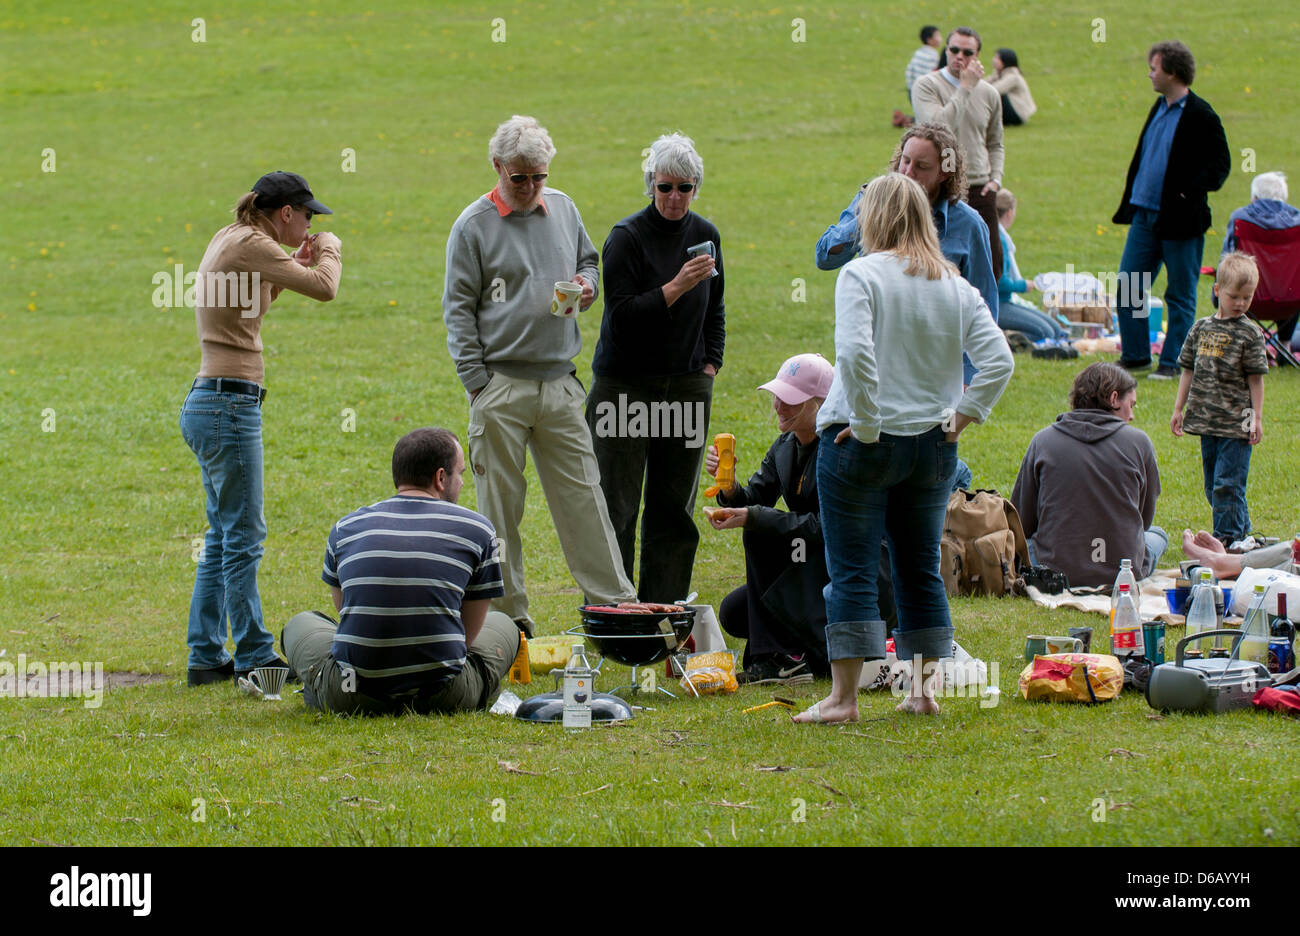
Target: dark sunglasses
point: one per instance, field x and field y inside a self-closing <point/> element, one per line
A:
<point x="307" y="211"/>
<point x="953" y="50"/>
<point x="682" y="187"/>
<point x="519" y="178"/>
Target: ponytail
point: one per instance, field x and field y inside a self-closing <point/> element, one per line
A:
<point x="245" y="211"/>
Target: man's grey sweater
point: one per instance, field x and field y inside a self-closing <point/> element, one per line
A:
<point x="501" y="276"/>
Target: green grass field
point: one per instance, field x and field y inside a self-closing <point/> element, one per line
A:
<point x="154" y="136"/>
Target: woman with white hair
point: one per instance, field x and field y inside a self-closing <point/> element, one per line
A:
<point x="889" y="429"/>
<point x="1268" y="209"/>
<point x="661" y="342"/>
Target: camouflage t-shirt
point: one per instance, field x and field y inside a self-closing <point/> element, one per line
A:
<point x="1221" y="353"/>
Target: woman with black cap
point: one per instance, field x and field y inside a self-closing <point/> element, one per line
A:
<point x="243" y="270"/>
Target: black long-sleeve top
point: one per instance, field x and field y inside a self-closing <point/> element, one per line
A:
<point x="789" y="471"/>
<point x="640" y="334"/>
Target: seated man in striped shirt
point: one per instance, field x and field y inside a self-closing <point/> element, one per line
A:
<point x="412" y="577"/>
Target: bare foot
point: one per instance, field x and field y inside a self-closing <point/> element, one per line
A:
<point x="827" y="713"/>
<point x="918" y="705"/>
<point x="1207" y="541"/>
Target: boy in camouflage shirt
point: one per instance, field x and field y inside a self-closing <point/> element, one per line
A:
<point x="1222" y="385"/>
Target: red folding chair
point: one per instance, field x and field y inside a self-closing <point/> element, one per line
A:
<point x="1277" y="299"/>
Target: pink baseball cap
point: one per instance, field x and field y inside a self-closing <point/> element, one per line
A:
<point x="801" y="378"/>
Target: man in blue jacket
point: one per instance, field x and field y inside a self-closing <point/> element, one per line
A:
<point x="1181" y="156"/>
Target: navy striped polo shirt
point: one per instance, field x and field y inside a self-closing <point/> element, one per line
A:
<point x="405" y="565"/>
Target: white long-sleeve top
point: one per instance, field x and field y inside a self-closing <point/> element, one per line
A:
<point x="898" y="346"/>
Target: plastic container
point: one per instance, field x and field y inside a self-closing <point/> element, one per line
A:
<point x="1125" y="577"/>
<point x="1201" y="614"/>
<point x="1257" y="628"/>
<point x="1126" y="626"/>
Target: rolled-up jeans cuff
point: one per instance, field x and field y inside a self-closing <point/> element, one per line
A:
<point x="855" y="640"/>
<point x="931" y="643"/>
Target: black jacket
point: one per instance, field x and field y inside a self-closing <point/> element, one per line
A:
<point x="795" y="595"/>
<point x="1199" y="163"/>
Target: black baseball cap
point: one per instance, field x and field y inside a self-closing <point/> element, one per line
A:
<point x="276" y="189"/>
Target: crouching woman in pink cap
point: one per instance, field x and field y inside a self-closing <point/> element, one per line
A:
<point x="779" y="610"/>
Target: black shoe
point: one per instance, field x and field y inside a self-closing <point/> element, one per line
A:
<point x="1134" y="365"/>
<point x="1054" y="350"/>
<point x="775" y="668"/>
<point x="204" y="677"/>
<point x="1017" y="340"/>
<point x="1164" y="373"/>
<point x="274" y="661"/>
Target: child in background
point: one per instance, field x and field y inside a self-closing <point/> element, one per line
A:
<point x="1016" y="314"/>
<point x="1222" y="386"/>
<point x="924" y="60"/>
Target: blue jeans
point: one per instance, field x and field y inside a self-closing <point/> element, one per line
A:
<point x="1031" y="323"/>
<point x="1144" y="252"/>
<point x="1225" y="463"/>
<point x="897" y="489"/>
<point x="224" y="430"/>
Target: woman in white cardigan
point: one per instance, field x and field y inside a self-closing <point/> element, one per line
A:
<point x="889" y="428"/>
<point x="1017" y="103"/>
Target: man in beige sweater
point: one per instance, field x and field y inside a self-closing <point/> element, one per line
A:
<point x="243" y="270"/>
<point x="956" y="97"/>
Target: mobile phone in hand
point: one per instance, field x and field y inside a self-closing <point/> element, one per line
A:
<point x="705" y="247"/>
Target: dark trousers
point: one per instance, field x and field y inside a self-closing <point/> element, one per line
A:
<point x="1225" y="465"/>
<point x="651" y="433"/>
<point x="742" y="614"/>
<point x="1144" y="252"/>
<point x="1009" y="116"/>
<point x="987" y="206"/>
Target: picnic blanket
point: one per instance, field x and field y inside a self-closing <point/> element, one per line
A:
<point x="1151" y="598"/>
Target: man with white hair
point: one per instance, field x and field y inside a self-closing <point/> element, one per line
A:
<point x="505" y="254"/>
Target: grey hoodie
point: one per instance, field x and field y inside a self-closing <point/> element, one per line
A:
<point x="1086" y="491"/>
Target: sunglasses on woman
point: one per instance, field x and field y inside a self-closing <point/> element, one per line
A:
<point x="519" y="178"/>
<point x="683" y="187"/>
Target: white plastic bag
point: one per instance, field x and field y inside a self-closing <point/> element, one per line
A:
<point x="1277" y="581"/>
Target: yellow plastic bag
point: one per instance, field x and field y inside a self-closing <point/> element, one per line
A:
<point x="1072" y="677"/>
<point x="711" y="672"/>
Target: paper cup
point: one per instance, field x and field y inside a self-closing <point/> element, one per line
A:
<point x="567" y="298"/>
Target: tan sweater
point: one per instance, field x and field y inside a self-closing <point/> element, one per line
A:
<point x="230" y="336"/>
<point x="1013" y="85"/>
<point x="973" y="115"/>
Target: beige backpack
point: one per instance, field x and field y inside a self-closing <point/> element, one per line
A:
<point x="982" y="540"/>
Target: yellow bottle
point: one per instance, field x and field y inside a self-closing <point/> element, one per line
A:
<point x="520" y="671"/>
<point x="725" y="477"/>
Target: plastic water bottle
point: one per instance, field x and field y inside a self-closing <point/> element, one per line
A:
<point x="579" y="686"/>
<point x="1201" y="616"/>
<point x="1126" y="626"/>
<point x="1125" y="577"/>
<point x="1257" y="628"/>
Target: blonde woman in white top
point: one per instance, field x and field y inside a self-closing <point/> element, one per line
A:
<point x="889" y="429"/>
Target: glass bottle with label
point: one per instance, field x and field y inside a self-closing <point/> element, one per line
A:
<point x="579" y="686"/>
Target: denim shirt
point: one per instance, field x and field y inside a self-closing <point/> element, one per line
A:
<point x="963" y="238"/>
<point x="1156" y="142"/>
